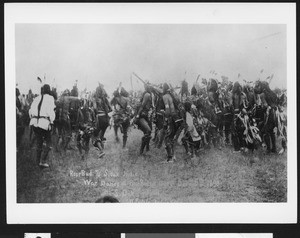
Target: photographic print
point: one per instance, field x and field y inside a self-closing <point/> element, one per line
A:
<point x="151" y="113"/>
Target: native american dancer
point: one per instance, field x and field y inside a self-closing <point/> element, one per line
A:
<point x="238" y="100"/>
<point x="85" y="120"/>
<point x="173" y="120"/>
<point x="227" y="112"/>
<point x="42" y="116"/>
<point x="101" y="108"/>
<point x="121" y="113"/>
<point x="191" y="139"/>
<point x="158" y="118"/>
<point x="142" y="118"/>
<point x="215" y="113"/>
<point x="282" y="127"/>
<point x="269" y="102"/>
<point x="66" y="117"/>
<point x="281" y="115"/>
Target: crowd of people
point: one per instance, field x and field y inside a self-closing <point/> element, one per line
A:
<point x="210" y="115"/>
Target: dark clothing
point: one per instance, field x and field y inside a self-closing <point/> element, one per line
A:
<point x="268" y="130"/>
<point x="190" y="145"/>
<point x="227" y="126"/>
<point x="85" y="119"/>
<point x="101" y="110"/>
<point x="220" y="120"/>
<point x="143" y="121"/>
<point x="121" y="121"/>
<point x="83" y="139"/>
<point x="172" y="127"/>
<point x="102" y="122"/>
<point x="121" y="115"/>
<point x="237" y="133"/>
<point x="227" y="120"/>
<point x="159" y="129"/>
<point x="173" y="122"/>
<point x="67" y="107"/>
<point x="19" y="122"/>
<point x="144" y="126"/>
<point x="42" y="136"/>
<point x="159" y="121"/>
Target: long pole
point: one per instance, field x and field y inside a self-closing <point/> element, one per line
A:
<point x="138" y="77"/>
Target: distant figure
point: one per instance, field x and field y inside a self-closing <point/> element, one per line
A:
<point x="19" y="119"/>
<point x="107" y="199"/>
<point x="74" y="91"/>
<point x="184" y="89"/>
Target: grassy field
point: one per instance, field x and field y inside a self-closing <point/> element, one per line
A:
<point x="217" y="175"/>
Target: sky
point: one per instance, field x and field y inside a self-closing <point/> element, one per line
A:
<point x="109" y="53"/>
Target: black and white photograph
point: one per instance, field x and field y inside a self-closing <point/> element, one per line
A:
<point x="175" y="113"/>
<point x="151" y="113"/>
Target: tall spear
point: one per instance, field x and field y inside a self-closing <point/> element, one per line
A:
<point x="138" y="77"/>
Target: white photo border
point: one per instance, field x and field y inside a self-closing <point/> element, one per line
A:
<point x="142" y="13"/>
